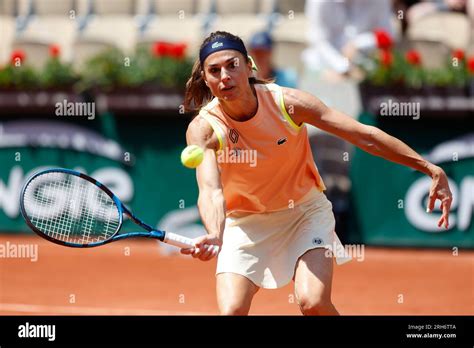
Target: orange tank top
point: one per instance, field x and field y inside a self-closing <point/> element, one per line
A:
<point x="266" y="162"/>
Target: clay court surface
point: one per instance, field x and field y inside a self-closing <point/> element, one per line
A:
<point x="105" y="281"/>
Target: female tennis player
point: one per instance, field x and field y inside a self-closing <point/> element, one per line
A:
<point x="268" y="211"/>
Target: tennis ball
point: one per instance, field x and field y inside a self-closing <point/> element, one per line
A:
<point x="192" y="156"/>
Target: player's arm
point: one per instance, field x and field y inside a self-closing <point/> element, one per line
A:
<point x="211" y="203"/>
<point x="309" y="109"/>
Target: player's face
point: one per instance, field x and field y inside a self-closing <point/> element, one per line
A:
<point x="227" y="73"/>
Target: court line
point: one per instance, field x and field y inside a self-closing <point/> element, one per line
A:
<point x="78" y="310"/>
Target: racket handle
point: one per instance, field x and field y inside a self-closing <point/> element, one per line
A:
<point x="177" y="240"/>
<point x="183" y="242"/>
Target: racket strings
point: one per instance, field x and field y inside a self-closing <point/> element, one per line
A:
<point x="70" y="209"/>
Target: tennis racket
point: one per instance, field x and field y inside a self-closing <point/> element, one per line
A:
<point x="72" y="209"/>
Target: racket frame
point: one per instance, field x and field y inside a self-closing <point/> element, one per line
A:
<point x="151" y="232"/>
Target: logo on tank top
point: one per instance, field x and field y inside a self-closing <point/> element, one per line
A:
<point x="282" y="141"/>
<point x="317" y="241"/>
<point x="233" y="135"/>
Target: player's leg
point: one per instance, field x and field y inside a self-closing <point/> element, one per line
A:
<point x="313" y="278"/>
<point x="234" y="293"/>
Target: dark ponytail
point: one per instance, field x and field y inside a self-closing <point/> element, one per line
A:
<point x="197" y="94"/>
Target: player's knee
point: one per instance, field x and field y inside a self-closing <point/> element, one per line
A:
<point x="234" y="309"/>
<point x="314" y="305"/>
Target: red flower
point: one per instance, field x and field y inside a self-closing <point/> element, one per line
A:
<point x="17" y="55"/>
<point x="458" y="54"/>
<point x="160" y="49"/>
<point x="413" y="57"/>
<point x="386" y="58"/>
<point x="178" y="50"/>
<point x="168" y="49"/>
<point x="54" y="51"/>
<point x="470" y="65"/>
<point x="384" y="41"/>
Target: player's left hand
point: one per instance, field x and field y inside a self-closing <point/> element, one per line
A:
<point x="440" y="190"/>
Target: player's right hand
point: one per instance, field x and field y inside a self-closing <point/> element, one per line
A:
<point x="204" y="248"/>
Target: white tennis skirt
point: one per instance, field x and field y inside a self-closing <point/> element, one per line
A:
<point x="265" y="247"/>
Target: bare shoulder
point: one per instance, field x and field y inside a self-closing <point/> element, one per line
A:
<point x="290" y="94"/>
<point x="201" y="133"/>
<point x="300" y="99"/>
<point x="303" y="104"/>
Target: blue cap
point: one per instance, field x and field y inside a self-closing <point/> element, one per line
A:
<point x="262" y="40"/>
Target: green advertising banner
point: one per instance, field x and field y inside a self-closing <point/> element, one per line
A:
<point x="389" y="200"/>
<point x="137" y="158"/>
